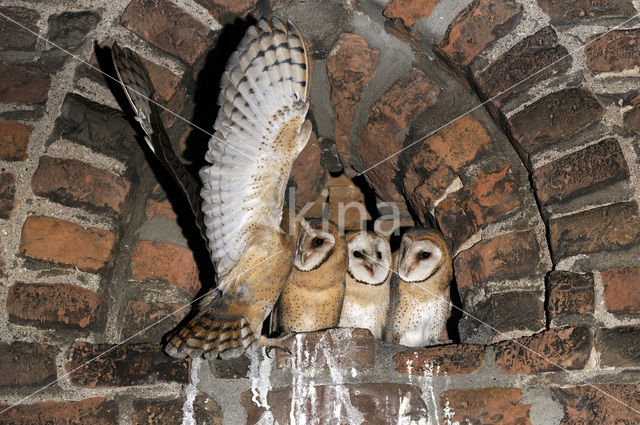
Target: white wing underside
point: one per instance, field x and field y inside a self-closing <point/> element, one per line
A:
<point x="259" y="131"/>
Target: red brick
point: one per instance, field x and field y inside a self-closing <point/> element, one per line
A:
<point x="454" y="220"/>
<point x="8" y="201"/>
<point x="553" y="118"/>
<point x="166" y="262"/>
<point x="568" y="348"/>
<point x="588" y="405"/>
<point x="614" y="51"/>
<point x="160" y="318"/>
<point x="226" y="11"/>
<point x="442" y="360"/>
<point x="15" y="37"/>
<point x="78" y="184"/>
<point x="168" y="27"/>
<point x="609" y="228"/>
<point x="351" y="65"/>
<point x="159" y="206"/>
<point x="524" y="64"/>
<point x="307" y="174"/>
<point x="27" y="364"/>
<point x="94" y="411"/>
<point x="54" y="305"/>
<point x="499" y="406"/>
<point x="570" y="293"/>
<point x="24" y="84"/>
<point x="123" y="365"/>
<point x="580" y="172"/>
<point x="618" y="347"/>
<point x="14" y="138"/>
<point x="381" y="403"/>
<point x="169" y="412"/>
<point x="410" y="10"/>
<point x="566" y="11"/>
<point x="622" y="290"/>
<point x="51" y="239"/>
<point x="475" y="27"/>
<point x="509" y="256"/>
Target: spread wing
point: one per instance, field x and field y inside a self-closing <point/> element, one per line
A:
<point x="259" y="131"/>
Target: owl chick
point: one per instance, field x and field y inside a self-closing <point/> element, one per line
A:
<point x="366" y="299"/>
<point x="312" y="296"/>
<point x="420" y="299"/>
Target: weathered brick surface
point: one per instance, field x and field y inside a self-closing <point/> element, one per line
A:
<point x="534" y="58"/>
<point x="163" y="317"/>
<point x="158" y="205"/>
<point x="622" y="290"/>
<point x="166" y="262"/>
<point x="14" y="138"/>
<point x="580" y="172"/>
<point x="374" y="403"/>
<point x="51" y="239"/>
<point x="607" y="228"/>
<point x="614" y="51"/>
<point x="13" y="36"/>
<point x="570" y="293"/>
<point x="78" y="184"/>
<point x="631" y="118"/>
<point x="26" y="364"/>
<point x="552" y="118"/>
<point x="8" y="201"/>
<point x="69" y="29"/>
<point x="350" y="65"/>
<point x="410" y="10"/>
<point x="486" y="406"/>
<point x="475" y="27"/>
<point x="169" y="412"/>
<point x="168" y="27"/>
<point x="226" y="11"/>
<point x="618" y="347"/>
<point x="56" y="305"/>
<point x="566" y="11"/>
<point x="123" y="365"/>
<point x="95" y="411"/>
<point x="548" y="351"/>
<point x="28" y="84"/>
<point x="588" y="405"/>
<point x="307" y="174"/>
<point x="452" y="359"/>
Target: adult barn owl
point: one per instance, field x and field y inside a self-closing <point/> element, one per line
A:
<point x="259" y="131"/>
<point x="420" y="299"/>
<point x="366" y="300"/>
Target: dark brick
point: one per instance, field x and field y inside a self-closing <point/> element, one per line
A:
<point x="89" y="249"/>
<point x="94" y="411"/>
<point x="343" y="404"/>
<point x="226" y="11"/>
<point x="485" y="406"/>
<point x="409" y="11"/>
<point x="78" y="184"/>
<point x="13" y="36"/>
<point x="622" y="290"/>
<point x="536" y="57"/>
<point x="123" y="365"/>
<point x="14" y="138"/>
<point x="619" y="347"/>
<point x="570" y="293"/>
<point x="168" y="27"/>
<point x="54" y="305"/>
<point x="580" y="172"/>
<point x="142" y="314"/>
<point x="609" y="228"/>
<point x="567" y="11"/>
<point x="553" y="118"/>
<point x="614" y="51"/>
<point x="454" y="220"/>
<point x="307" y="173"/>
<point x="599" y="405"/>
<point x="631" y="118"/>
<point x="169" y="412"/>
<point x="568" y="348"/>
<point x="24" y="84"/>
<point x="8" y="201"/>
<point x="68" y="30"/>
<point x="26" y="364"/>
<point x="442" y="360"/>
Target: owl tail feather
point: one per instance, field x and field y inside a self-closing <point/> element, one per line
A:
<point x="212" y="334"/>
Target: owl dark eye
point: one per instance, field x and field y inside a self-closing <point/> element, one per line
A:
<point x="357" y="254"/>
<point x="424" y="255"/>
<point x="316" y="242"/>
<point x="379" y="255"/>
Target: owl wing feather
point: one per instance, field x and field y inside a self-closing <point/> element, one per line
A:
<point x="259" y="131"/>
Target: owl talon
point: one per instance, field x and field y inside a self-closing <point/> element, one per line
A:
<point x="273" y="346"/>
<point x="279" y="343"/>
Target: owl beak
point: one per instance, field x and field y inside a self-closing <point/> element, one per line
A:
<point x="371" y="268"/>
<point x="304" y="258"/>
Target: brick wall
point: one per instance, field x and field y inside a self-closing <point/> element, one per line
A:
<point x="536" y="188"/>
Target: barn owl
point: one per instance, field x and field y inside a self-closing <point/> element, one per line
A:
<point x="312" y="297"/>
<point x="420" y="299"/>
<point x="259" y="131"/>
<point x="366" y="299"/>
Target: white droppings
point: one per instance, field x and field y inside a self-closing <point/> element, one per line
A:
<point x="260" y="374"/>
<point x="448" y="414"/>
<point x="191" y="391"/>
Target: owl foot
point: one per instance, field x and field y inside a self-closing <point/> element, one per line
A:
<point x="280" y="342"/>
